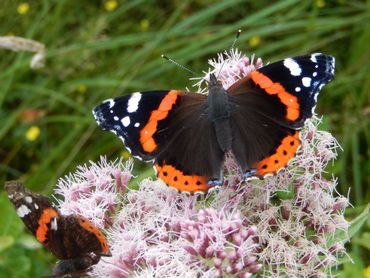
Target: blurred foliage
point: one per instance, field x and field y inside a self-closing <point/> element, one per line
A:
<point x="99" y="49"/>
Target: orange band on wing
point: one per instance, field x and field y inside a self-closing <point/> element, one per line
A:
<point x="177" y="179"/>
<point x="146" y="134"/>
<point x="88" y="226"/>
<point x="47" y="215"/>
<point x="274" y="88"/>
<point x="284" y="153"/>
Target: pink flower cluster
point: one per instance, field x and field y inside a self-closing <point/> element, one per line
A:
<point x="93" y="191"/>
<point x="284" y="225"/>
<point x="223" y="240"/>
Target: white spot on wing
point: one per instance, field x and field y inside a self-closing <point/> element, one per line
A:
<point x="28" y="199"/>
<point x="333" y="65"/>
<point x="306" y="81"/>
<point x="54" y="224"/>
<point x="126" y="121"/>
<point x="313" y="57"/>
<point x="133" y="102"/>
<point x="36" y="206"/>
<point x="293" y="67"/>
<point x="22" y="211"/>
<point x="137" y="124"/>
<point x="314" y="74"/>
<point x="297" y="89"/>
<point x="115" y="118"/>
<point x="110" y="101"/>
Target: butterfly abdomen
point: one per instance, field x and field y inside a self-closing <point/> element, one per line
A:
<point x="219" y="111"/>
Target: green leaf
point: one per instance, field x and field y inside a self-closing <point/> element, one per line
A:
<point x="363" y="240"/>
<point x="354" y="268"/>
<point x="286" y="194"/>
<point x="359" y="221"/>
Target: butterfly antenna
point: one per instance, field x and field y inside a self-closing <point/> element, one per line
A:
<point x="232" y="46"/>
<point x="179" y="65"/>
<point x="236" y="38"/>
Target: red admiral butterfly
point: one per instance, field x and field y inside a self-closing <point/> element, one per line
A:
<point x="187" y="135"/>
<point x="72" y="239"/>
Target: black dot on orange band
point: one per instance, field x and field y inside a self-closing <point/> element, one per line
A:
<point x="199" y="183"/>
<point x="285" y="152"/>
<point x="264" y="166"/>
<point x="276" y="161"/>
<point x="175" y="178"/>
<point x="292" y="143"/>
<point x="186" y="182"/>
<point x="165" y="173"/>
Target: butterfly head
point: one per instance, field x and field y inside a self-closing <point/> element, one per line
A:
<point x="215" y="90"/>
<point x="213" y="81"/>
<point x="15" y="190"/>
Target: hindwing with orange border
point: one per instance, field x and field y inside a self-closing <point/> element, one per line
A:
<point x="72" y="239"/>
<point x="187" y="135"/>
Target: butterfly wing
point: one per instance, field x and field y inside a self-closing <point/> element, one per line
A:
<point x="127" y="117"/>
<point x="271" y="104"/>
<point x="66" y="237"/>
<point x="82" y="237"/>
<point x="190" y="156"/>
<point x="171" y="128"/>
<point x="39" y="215"/>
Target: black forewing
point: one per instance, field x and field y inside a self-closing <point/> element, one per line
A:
<point x="315" y="70"/>
<point x="111" y="112"/>
<point x="185" y="138"/>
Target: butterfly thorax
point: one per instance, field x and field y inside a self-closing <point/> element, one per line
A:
<point x="218" y="111"/>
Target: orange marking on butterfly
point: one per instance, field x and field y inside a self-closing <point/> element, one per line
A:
<point x="146" y="134"/>
<point x="47" y="215"/>
<point x="275" y="88"/>
<point x="284" y="153"/>
<point x="88" y="226"/>
<point x="177" y="179"/>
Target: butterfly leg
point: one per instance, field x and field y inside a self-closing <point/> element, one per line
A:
<point x="216" y="181"/>
<point x="251" y="173"/>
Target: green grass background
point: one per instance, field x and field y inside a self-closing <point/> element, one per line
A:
<point x="93" y="54"/>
